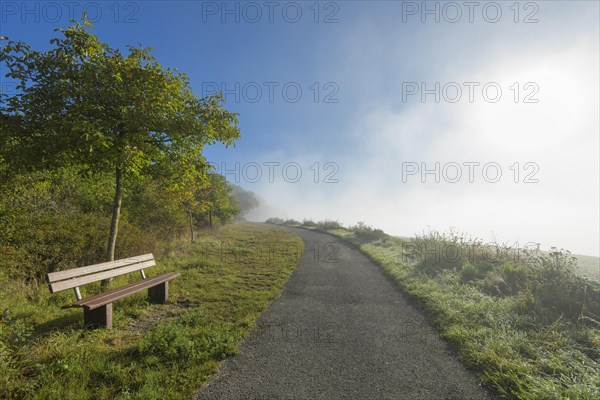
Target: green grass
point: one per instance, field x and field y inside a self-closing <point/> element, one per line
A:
<point x="530" y="333"/>
<point x="167" y="351"/>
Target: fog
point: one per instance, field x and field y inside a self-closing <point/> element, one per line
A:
<point x="517" y="168"/>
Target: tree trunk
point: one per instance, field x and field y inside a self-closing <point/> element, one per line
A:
<point x="191" y="227"/>
<point x="210" y="218"/>
<point x="114" y="226"/>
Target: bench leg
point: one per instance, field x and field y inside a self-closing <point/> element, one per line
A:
<point x="98" y="317"/>
<point x="159" y="293"/>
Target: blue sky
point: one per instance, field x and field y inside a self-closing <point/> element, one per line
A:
<point x="363" y="129"/>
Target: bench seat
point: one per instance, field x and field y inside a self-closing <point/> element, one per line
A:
<point x="102" y="299"/>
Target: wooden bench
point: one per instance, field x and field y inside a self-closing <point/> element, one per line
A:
<point x="97" y="310"/>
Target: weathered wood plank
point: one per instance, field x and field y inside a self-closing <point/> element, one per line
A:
<point x="75" y="272"/>
<point x="71" y="283"/>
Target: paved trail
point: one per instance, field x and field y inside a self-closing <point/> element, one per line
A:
<point x="342" y="330"/>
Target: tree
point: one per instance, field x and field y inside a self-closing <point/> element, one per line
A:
<point x="215" y="199"/>
<point x="246" y="200"/>
<point x="83" y="102"/>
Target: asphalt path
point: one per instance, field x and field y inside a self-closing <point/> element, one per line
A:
<point x="341" y="329"/>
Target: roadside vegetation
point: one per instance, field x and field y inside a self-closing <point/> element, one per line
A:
<point x="525" y="321"/>
<point x="229" y="276"/>
<point x="59" y="219"/>
<point x="101" y="158"/>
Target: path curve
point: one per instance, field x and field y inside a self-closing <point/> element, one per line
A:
<point x="341" y="330"/>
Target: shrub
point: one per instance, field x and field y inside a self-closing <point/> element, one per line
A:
<point x="515" y="277"/>
<point x="366" y="232"/>
<point x="505" y="280"/>
<point x="147" y="209"/>
<point x="57" y="242"/>
<point x="436" y="252"/>
<point x="559" y="292"/>
<point x="309" y="222"/>
<point x="328" y="225"/>
<point x="469" y="272"/>
<point x="54" y="220"/>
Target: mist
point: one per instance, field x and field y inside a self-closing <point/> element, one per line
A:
<point x="521" y="167"/>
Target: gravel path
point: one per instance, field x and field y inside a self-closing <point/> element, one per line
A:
<point x="341" y="330"/>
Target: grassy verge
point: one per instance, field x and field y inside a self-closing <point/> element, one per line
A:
<point x="154" y="351"/>
<point x="530" y="329"/>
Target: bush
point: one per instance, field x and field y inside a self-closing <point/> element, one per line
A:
<point x="515" y="277"/>
<point x="469" y="272"/>
<point x="58" y="242"/>
<point x="309" y="223"/>
<point x="274" y="220"/>
<point x="366" y="232"/>
<point x="560" y="293"/>
<point x="60" y="219"/>
<point x="556" y="290"/>
<point x="504" y="280"/>
<point x="146" y="209"/>
<point x="435" y="252"/>
<point x="328" y="225"/>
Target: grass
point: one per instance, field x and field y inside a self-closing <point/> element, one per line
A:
<point x="229" y="276"/>
<point x="530" y="332"/>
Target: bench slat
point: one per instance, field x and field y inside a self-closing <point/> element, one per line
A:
<point x="75" y="272"/>
<point x="108" y="297"/>
<point x="71" y="283"/>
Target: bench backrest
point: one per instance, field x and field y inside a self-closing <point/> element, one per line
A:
<point x="72" y="278"/>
